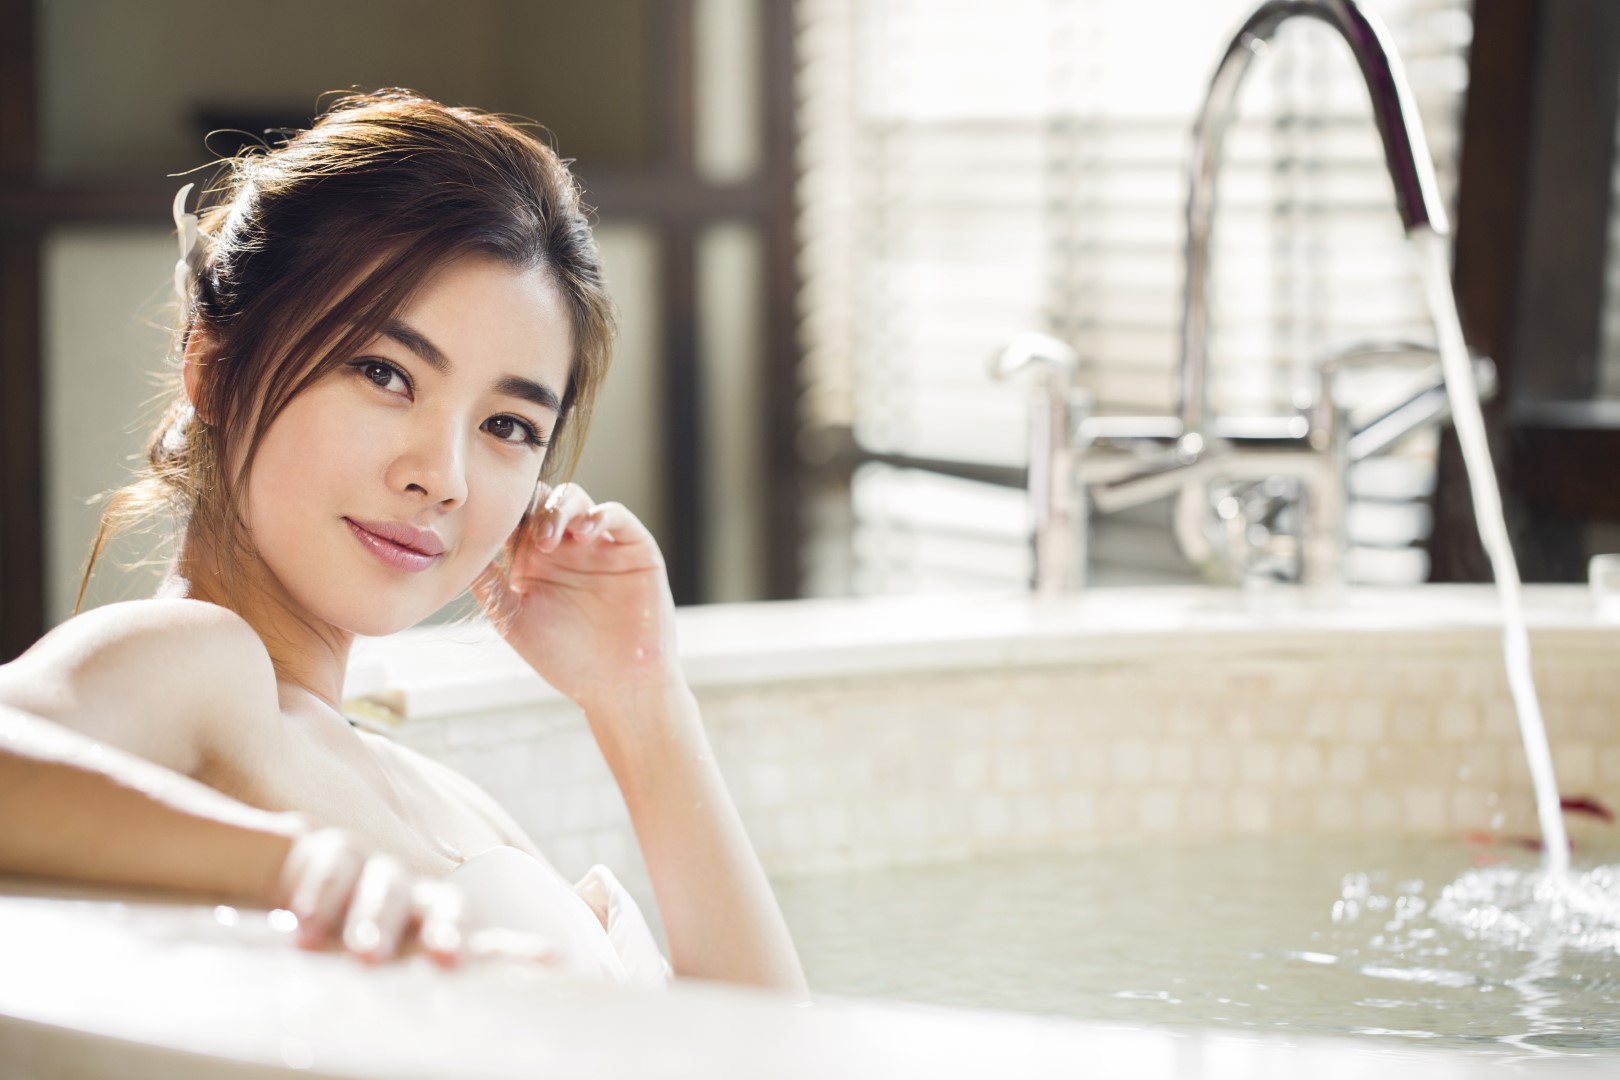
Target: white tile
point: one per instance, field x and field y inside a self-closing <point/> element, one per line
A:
<point x="1575" y="765"/>
<point x="1424" y="809"/>
<point x="579" y="809"/>
<point x="1160" y="810"/>
<point x="1335" y="809"/>
<point x="1324" y="720"/>
<point x="992" y="816"/>
<point x="1035" y="815"/>
<point x="1250" y="810"/>
<point x="1054" y="765"/>
<point x="1173" y="763"/>
<point x="1609" y="764"/>
<point x="794" y="830"/>
<point x="1014" y="768"/>
<point x="809" y="781"/>
<point x="1132" y="761"/>
<point x="831" y="823"/>
<point x="1364" y="720"/>
<point x="1302" y="766"/>
<point x="1483" y="762"/>
<point x="908" y="820"/>
<point x="1347" y="765"/>
<point x="1258" y="763"/>
<point x="970" y="768"/>
<point x="1470" y="808"/>
<point x="1203" y="810"/>
<point x="1380" y="810"/>
<point x="1077" y="811"/>
<point x="1410" y="723"/>
<point x="1090" y="764"/>
<point x="1217" y="763"/>
<point x="1498" y="718"/>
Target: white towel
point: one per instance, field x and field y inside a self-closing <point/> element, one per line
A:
<point x="506" y="889"/>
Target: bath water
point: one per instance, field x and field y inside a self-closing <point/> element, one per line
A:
<point x="1408" y="944"/>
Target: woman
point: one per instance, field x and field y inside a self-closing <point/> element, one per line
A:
<point x="394" y="329"/>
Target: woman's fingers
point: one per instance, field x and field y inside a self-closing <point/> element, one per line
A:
<point x="615" y="521"/>
<point x="323" y="868"/>
<point x="561" y="506"/>
<point x="368" y="903"/>
<point x="440" y="913"/>
<point x="379" y="911"/>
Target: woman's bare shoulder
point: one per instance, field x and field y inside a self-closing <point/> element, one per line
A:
<point x="153" y="677"/>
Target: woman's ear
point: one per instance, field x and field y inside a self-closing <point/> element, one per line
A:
<point x="200" y="353"/>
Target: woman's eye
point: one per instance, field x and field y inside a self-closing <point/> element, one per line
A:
<point x="511" y="429"/>
<point x="384" y="375"/>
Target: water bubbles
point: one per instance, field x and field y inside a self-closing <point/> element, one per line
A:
<point x="1515" y="908"/>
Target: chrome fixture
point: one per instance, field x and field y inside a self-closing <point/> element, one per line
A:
<point x="1282" y="480"/>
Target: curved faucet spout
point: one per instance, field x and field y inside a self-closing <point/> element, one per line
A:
<point x="1417" y="195"/>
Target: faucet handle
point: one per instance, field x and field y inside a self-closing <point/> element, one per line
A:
<point x="1034" y="349"/>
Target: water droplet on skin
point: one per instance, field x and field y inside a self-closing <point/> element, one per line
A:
<point x="640" y="654"/>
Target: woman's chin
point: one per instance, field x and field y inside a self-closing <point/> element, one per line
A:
<point x="374" y="619"/>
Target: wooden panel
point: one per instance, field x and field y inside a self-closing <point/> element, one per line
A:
<point x="784" y="473"/>
<point x="22" y="539"/>
<point x="1531" y="250"/>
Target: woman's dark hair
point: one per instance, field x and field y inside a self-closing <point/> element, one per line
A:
<point x="317" y="244"/>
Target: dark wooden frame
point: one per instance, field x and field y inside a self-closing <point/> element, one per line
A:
<point x="22" y="491"/>
<point x="1533" y="208"/>
<point x="670" y="196"/>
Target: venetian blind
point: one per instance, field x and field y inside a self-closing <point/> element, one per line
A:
<point x="971" y="170"/>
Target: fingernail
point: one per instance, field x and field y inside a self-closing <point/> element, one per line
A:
<point x="441" y="938"/>
<point x="549" y="531"/>
<point x="363" y="936"/>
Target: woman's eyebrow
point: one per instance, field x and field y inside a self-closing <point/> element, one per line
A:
<point x="514" y="385"/>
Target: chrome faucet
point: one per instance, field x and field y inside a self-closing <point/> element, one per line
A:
<point x="1079" y="461"/>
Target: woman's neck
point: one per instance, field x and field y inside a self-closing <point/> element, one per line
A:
<point x="306" y="652"/>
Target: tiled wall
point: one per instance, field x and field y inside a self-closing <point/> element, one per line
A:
<point x="879" y="770"/>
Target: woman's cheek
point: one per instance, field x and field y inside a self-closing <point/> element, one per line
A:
<point x="509" y="500"/>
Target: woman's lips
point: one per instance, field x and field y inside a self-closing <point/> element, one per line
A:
<point x="391" y="554"/>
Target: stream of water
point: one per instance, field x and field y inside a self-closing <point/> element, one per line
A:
<point x="1433" y="252"/>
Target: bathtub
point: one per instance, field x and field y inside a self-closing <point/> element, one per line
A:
<point x="877" y="749"/>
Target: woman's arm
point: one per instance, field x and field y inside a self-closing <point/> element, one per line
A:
<point x="104" y="724"/>
<point x="77" y="808"/>
<point x="719" y="913"/>
<point x="588" y="606"/>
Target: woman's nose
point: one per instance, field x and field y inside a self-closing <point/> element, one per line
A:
<point x="433" y="464"/>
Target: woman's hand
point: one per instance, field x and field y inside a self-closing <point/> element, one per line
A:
<point x="367" y="902"/>
<point x="594" y="614"/>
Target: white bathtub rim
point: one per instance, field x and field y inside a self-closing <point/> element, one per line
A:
<point x="440" y="672"/>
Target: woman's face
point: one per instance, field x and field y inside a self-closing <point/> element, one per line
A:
<point x="383" y="490"/>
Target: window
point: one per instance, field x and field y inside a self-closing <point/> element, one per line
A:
<point x="973" y="170"/>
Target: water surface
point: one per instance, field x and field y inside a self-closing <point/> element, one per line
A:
<point x="1401" y="940"/>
